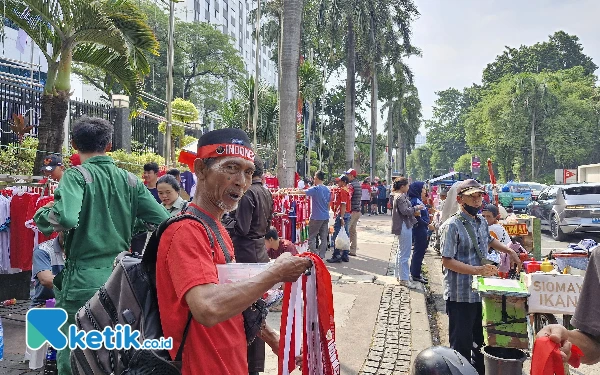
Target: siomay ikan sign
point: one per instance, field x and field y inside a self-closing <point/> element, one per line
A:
<point x="553" y="293"/>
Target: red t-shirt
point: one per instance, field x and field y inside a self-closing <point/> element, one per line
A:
<point x="185" y="260"/>
<point x="341" y="195"/>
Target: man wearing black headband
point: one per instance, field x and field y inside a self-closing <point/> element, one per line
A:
<point x="465" y="240"/>
<point x="186" y="276"/>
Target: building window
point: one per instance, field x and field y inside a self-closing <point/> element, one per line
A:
<point x="232" y="21"/>
<point x="216" y="5"/>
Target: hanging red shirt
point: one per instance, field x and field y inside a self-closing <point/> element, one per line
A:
<point x="22" y="208"/>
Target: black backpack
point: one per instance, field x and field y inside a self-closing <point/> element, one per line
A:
<point x="129" y="297"/>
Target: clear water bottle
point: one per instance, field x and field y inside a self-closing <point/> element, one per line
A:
<point x="50" y="365"/>
<point x="1" y="341"/>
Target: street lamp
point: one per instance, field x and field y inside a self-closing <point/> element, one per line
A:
<point x="120" y="101"/>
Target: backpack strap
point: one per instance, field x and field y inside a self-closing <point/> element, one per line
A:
<point x="87" y="176"/>
<point x="474" y="242"/>
<point x="213" y="226"/>
<point x="179" y="355"/>
<point x="150" y="255"/>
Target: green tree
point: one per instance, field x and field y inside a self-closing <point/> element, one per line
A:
<point x="561" y="51"/>
<point x="384" y="39"/>
<point x="184" y="112"/>
<point x="445" y="131"/>
<point x="418" y="163"/>
<point x="205" y="61"/>
<point x="555" y="110"/>
<point x="109" y="35"/>
<point x="463" y="163"/>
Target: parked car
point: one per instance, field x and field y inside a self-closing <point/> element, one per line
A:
<point x="515" y="195"/>
<point x="536" y="189"/>
<point x="565" y="209"/>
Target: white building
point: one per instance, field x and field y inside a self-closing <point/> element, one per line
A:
<point x="231" y="16"/>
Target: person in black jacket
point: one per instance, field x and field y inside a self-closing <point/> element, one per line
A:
<point x="251" y="221"/>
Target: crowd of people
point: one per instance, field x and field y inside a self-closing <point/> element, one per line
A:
<point x="472" y="242"/>
<point x="99" y="210"/>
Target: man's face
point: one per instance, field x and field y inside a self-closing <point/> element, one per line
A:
<point x="341" y="183"/>
<point x="57" y="173"/>
<point x="443" y="197"/>
<point x="272" y="244"/>
<point x="489" y="217"/>
<point x="150" y="176"/>
<point x="473" y="200"/>
<point x="226" y="181"/>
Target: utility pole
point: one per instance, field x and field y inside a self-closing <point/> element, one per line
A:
<point x="169" y="91"/>
<point x="256" y="75"/>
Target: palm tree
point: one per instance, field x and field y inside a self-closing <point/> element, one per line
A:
<point x="404" y="112"/>
<point x="245" y="92"/>
<point x="108" y="34"/>
<point x="289" y="58"/>
<point x="385" y="40"/>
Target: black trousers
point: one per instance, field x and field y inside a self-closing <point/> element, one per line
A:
<point x="466" y="331"/>
<point x="382" y="205"/>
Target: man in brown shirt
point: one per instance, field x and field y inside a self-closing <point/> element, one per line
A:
<point x="587" y="334"/>
<point x="277" y="246"/>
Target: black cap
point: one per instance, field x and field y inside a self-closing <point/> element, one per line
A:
<point x="51" y="162"/>
<point x="227" y="135"/>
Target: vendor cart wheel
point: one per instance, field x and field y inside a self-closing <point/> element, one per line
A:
<point x="557" y="234"/>
<point x="542" y="320"/>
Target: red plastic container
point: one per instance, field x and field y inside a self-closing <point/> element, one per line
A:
<point x="533" y="266"/>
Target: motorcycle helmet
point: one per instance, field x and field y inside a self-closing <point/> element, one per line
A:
<point x="439" y="360"/>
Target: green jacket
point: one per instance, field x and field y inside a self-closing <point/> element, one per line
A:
<point x="96" y="207"/>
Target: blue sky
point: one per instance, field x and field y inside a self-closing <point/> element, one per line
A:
<point x="460" y="37"/>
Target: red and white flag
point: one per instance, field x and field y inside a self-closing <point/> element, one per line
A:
<point x="307" y="323"/>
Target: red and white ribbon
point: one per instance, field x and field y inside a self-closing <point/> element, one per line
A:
<point x="307" y="322"/>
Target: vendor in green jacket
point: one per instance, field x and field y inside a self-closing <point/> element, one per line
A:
<point x="96" y="205"/>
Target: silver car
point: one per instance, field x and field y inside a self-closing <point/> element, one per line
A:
<point x="536" y="188"/>
<point x="565" y="209"/>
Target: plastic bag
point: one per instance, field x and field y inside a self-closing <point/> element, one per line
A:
<point x="342" y="241"/>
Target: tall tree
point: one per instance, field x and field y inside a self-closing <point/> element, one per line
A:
<point x="385" y="38"/>
<point x="446" y="130"/>
<point x="560" y="108"/>
<point x="289" y="59"/>
<point x="561" y="51"/>
<point x="110" y="35"/>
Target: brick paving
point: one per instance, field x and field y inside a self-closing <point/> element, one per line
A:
<point x="390" y="351"/>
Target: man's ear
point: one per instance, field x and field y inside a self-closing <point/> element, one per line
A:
<point x="74" y="145"/>
<point x="108" y="147"/>
<point x="200" y="169"/>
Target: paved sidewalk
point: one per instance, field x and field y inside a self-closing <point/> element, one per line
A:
<point x="378" y="333"/>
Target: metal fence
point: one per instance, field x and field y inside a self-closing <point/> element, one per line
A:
<point x="20" y="99"/>
<point x="145" y="135"/>
<point x="17" y="99"/>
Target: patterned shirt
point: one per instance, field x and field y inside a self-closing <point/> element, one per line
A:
<point x="456" y="244"/>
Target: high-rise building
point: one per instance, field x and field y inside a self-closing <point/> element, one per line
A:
<point x="232" y="17"/>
